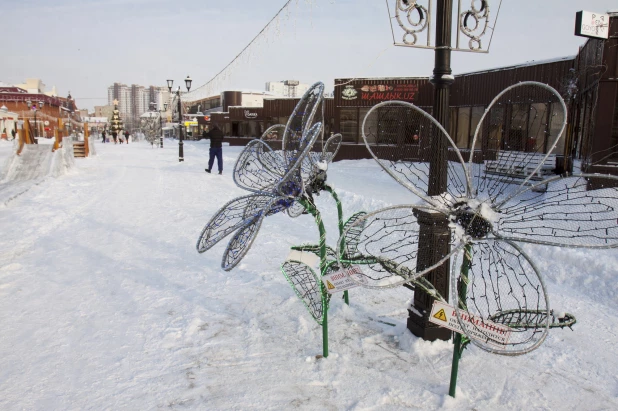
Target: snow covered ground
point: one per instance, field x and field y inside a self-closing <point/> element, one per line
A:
<point x="106" y="305"/>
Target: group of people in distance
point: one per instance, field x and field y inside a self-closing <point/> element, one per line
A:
<point x="116" y="138"/>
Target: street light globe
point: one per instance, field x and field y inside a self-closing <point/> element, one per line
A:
<point x="188" y="82"/>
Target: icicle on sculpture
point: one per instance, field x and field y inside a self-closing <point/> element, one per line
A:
<point x="506" y="192"/>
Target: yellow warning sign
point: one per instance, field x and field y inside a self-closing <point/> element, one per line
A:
<point x="329" y="285"/>
<point x="440" y="315"/>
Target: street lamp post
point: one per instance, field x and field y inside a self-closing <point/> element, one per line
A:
<point x="34" y="108"/>
<point x="170" y="83"/>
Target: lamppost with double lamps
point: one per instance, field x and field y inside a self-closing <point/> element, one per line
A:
<point x="170" y="83"/>
<point x="34" y="107"/>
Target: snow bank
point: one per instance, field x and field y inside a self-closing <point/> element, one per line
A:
<point x="37" y="161"/>
<point x="91" y="148"/>
<point x="32" y="166"/>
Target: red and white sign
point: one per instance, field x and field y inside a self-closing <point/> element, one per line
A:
<point x="341" y="281"/>
<point x="478" y="328"/>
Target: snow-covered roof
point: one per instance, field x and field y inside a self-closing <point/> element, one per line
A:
<point x="379" y="78"/>
<point x="526" y="64"/>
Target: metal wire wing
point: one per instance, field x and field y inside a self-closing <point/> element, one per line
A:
<point x="241" y="242"/>
<point x="501" y="279"/>
<point x="385" y="246"/>
<point x="258" y="168"/>
<point x="292" y="184"/>
<point x="234" y="214"/>
<point x="330" y="149"/>
<point x="273" y="133"/>
<point x="306" y="285"/>
<point x="300" y="121"/>
<point x="572" y="211"/>
<point x="516" y="136"/>
<point x="326" y="155"/>
<point x="406" y="142"/>
<point x="353" y="231"/>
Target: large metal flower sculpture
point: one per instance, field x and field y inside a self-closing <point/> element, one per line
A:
<point x="274" y="178"/>
<point x="504" y="194"/>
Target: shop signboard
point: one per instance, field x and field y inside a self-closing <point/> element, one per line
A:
<point x="592" y="25"/>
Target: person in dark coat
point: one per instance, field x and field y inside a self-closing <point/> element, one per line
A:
<point x="13" y="133"/>
<point x="115" y="136"/>
<point x="126" y="136"/>
<point x="103" y="135"/>
<point x="216" y="139"/>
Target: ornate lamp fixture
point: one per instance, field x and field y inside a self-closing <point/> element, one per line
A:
<point x="415" y="17"/>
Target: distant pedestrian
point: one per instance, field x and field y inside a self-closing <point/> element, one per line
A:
<point x="13" y="133"/>
<point x="103" y="135"/>
<point x="126" y="136"/>
<point x="115" y="136"/>
<point x="216" y="139"/>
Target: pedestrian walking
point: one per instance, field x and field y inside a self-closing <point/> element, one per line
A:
<point x="115" y="136"/>
<point x="13" y="133"/>
<point x="216" y="139"/>
<point x="126" y="136"/>
<point x="103" y="135"/>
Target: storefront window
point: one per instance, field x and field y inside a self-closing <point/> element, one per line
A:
<point x="496" y="128"/>
<point x="477" y="113"/>
<point x="452" y="123"/>
<point x="516" y="136"/>
<point x="555" y="125"/>
<point x="463" y="127"/>
<point x="537" y="127"/>
<point x="349" y="124"/>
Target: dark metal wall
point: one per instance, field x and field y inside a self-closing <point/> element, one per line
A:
<point x="480" y="88"/>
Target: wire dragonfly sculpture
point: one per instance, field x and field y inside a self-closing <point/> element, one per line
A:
<point x="273" y="177"/>
<point x="488" y="214"/>
<point x="285" y="180"/>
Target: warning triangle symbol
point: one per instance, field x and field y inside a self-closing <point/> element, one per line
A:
<point x="332" y="287"/>
<point x="440" y="315"/>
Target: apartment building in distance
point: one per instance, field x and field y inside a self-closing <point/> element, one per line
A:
<point x="134" y="100"/>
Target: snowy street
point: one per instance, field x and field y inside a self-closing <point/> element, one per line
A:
<point x="105" y="304"/>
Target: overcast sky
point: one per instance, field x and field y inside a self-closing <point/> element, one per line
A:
<point x="85" y="46"/>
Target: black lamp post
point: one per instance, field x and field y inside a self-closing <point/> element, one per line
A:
<point x="434" y="230"/>
<point x="170" y="83"/>
<point x="34" y="107"/>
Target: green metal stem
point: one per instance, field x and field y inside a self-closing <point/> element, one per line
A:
<point x="328" y="188"/>
<point x="462" y="290"/>
<point x="318" y="220"/>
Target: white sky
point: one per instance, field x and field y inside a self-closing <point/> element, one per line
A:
<point x="85" y="46"/>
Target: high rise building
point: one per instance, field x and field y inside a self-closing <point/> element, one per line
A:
<point x="134" y="100"/>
